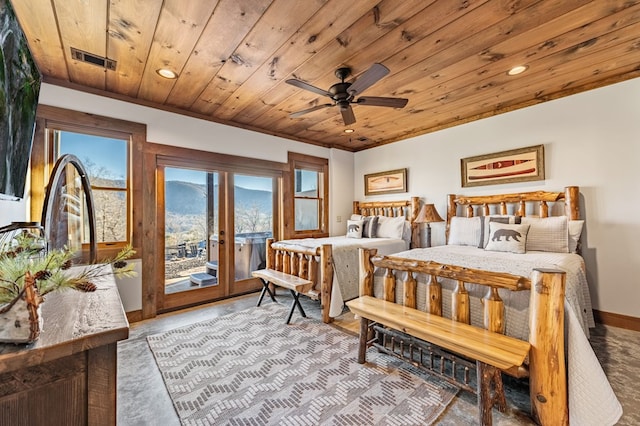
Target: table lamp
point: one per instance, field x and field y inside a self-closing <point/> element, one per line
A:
<point x="428" y="214"/>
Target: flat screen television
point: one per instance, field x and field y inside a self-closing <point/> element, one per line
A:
<point x="19" y="89"/>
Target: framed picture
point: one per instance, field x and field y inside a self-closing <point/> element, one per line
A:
<point x="516" y="165"/>
<point x="385" y="182"/>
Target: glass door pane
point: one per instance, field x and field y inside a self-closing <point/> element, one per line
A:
<point x="191" y="224"/>
<point x="253" y="224"/>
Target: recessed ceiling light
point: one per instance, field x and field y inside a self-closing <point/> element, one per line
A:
<point x="349" y="130"/>
<point x="517" y="70"/>
<point x="166" y="73"/>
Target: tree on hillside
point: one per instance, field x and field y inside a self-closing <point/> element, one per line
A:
<point x="252" y="219"/>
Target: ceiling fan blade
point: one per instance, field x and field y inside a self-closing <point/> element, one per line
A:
<point x="308" y="110"/>
<point x="306" y="86"/>
<point x="368" y="79"/>
<point x="384" y="102"/>
<point x="347" y="115"/>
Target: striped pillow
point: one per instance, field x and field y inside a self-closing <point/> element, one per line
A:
<point x="369" y="226"/>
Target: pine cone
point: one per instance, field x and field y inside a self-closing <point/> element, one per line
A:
<point x="42" y="275"/>
<point x="119" y="264"/>
<point x="86" y="286"/>
<point x="66" y="265"/>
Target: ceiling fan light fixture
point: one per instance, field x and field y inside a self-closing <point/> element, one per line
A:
<point x="519" y="69"/>
<point x="167" y="73"/>
<point x="343" y="94"/>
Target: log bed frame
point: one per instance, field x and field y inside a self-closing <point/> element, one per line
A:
<point x="316" y="265"/>
<point x="546" y="367"/>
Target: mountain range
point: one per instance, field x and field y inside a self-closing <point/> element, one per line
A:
<point x="191" y="198"/>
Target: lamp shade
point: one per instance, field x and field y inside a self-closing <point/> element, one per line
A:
<point x="428" y="214"/>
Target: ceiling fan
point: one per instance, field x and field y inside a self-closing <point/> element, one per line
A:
<point x="344" y="94"/>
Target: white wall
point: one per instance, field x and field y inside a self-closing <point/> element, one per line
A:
<point x="340" y="190"/>
<point x="12" y="211"/>
<point x="591" y="140"/>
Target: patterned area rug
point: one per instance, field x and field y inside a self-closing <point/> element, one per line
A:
<point x="249" y="368"/>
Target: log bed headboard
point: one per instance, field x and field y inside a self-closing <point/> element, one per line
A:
<point x="407" y="208"/>
<point x="515" y="203"/>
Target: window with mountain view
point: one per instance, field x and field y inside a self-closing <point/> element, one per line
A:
<point x="105" y="160"/>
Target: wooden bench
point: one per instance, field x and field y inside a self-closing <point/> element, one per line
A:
<point x="492" y="351"/>
<point x="294" y="284"/>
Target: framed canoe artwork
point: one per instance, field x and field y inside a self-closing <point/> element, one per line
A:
<point x="385" y="182"/>
<point x="517" y="165"/>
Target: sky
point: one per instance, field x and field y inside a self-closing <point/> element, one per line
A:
<point x="109" y="153"/>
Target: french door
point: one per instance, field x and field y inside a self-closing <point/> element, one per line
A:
<point x="214" y="224"/>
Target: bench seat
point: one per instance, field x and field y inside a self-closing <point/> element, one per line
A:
<point x="495" y="349"/>
<point x="294" y="284"/>
<point x="492" y="352"/>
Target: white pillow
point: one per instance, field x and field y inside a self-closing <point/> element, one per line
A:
<point x="547" y="233"/>
<point x="390" y="227"/>
<point x="356" y="216"/>
<point x="464" y="231"/>
<point x="575" y="230"/>
<point x="507" y="237"/>
<point x="354" y="228"/>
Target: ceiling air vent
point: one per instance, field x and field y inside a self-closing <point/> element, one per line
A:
<point x="90" y="58"/>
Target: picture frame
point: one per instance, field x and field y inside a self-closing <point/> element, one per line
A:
<point x="516" y="165"/>
<point x="391" y="182"/>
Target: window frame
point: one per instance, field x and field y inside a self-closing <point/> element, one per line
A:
<point x="42" y="161"/>
<point x="53" y="148"/>
<point x="317" y="164"/>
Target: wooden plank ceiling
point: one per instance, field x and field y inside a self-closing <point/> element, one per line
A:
<point x="448" y="58"/>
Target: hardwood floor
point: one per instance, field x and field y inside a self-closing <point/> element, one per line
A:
<point x="143" y="400"/>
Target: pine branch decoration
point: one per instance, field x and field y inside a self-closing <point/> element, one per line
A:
<point x="50" y="271"/>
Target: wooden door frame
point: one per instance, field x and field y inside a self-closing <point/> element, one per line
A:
<point x="152" y="244"/>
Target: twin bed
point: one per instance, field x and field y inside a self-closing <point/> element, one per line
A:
<point x="509" y="234"/>
<point x="332" y="263"/>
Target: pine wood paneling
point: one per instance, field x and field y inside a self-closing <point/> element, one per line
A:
<point x="448" y="58"/>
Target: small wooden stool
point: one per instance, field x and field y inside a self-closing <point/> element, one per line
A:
<point x="294" y="284"/>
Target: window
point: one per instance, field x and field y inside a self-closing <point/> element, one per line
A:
<point x="105" y="160"/>
<point x="107" y="148"/>
<point x="309" y="206"/>
<point x="307" y="200"/>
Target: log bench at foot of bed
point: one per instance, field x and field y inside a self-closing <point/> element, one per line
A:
<point x="491" y="351"/>
<point x="546" y="366"/>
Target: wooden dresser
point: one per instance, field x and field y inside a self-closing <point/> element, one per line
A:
<point x="68" y="376"/>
